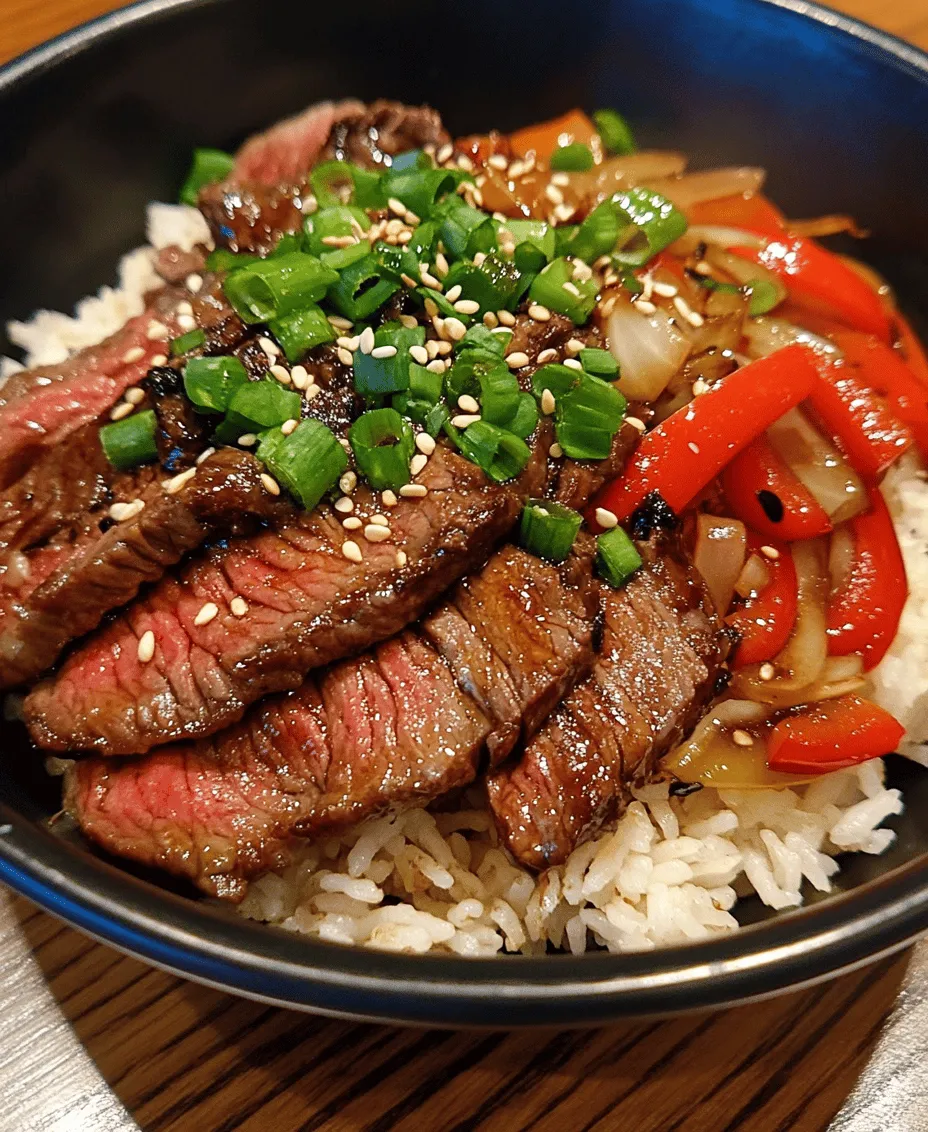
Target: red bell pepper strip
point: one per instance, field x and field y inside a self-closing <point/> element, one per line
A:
<point x="884" y="369"/>
<point x="831" y="735"/>
<point x="818" y="281"/>
<point x="863" y="615"/>
<point x="543" y="139"/>
<point x="764" y="493"/>
<point x="764" y="622"/>
<point x="858" y="418"/>
<point x="683" y="453"/>
<point x="751" y="211"/>
<point x="912" y="349"/>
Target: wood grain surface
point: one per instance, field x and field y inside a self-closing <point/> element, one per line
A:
<point x="181" y="1057"/>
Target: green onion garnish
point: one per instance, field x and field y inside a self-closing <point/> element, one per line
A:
<point x="336" y="222"/>
<point x="575" y="158"/>
<point x="589" y="411"/>
<point x="616" y="558"/>
<point x="361" y="289"/>
<point x="492" y="344"/>
<point x="652" y="222"/>
<point x="307" y="462"/>
<point x="221" y="259"/>
<point x="301" y="331"/>
<point x="597" y="235"/>
<point x="548" y="530"/>
<point x="272" y="288"/>
<point x="383" y="444"/>
<point x="420" y="189"/>
<point x="208" y="165"/>
<point x="763" y="296"/>
<point x="425" y="385"/>
<point x="501" y="401"/>
<point x="376" y="375"/>
<point x="192" y="340"/>
<point x="210" y="382"/>
<point x="258" y="405"/>
<point x="556" y="289"/>
<point x="465" y="230"/>
<point x="496" y="285"/>
<point x="131" y="441"/>
<point x="536" y="232"/>
<point x="501" y="454"/>
<point x="600" y="363"/>
<point x="614" y="133"/>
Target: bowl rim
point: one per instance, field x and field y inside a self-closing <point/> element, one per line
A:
<point x="217" y="947"/>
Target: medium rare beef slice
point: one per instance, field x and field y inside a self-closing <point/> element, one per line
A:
<point x="369" y="134"/>
<point x="517" y="637"/>
<point x="250" y="218"/>
<point x="307" y="604"/>
<point x="387" y="729"/>
<point x="661" y="649"/>
<point x="77" y="581"/>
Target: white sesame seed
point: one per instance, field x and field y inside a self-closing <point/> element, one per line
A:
<point x="647" y="286"/>
<point x="702" y="268"/>
<point x="366" y="340"/>
<point x="205" y="455"/>
<point x="694" y="448"/>
<point x="490" y="320"/>
<point x="516" y="169"/>
<point x="376" y="533"/>
<point x="411" y="218"/>
<point x="700" y="387"/>
<point x="497" y="161"/>
<point x="556" y="451"/>
<point x="238" y="606"/>
<point x="345" y="443"/>
<point x="560" y="179"/>
<point x="438" y="366"/>
<point x="194" y="282"/>
<point x="455" y="328"/>
<point x="157" y="331"/>
<point x="429" y="280"/>
<point x="339" y="241"/>
<point x="281" y="373"/>
<point x="468" y="404"/>
<point x="517" y="360"/>
<point x="348" y="482"/>
<point x="635" y="423"/>
<point x="479" y="259"/>
<point x="414" y="490"/>
<point x="606" y="519"/>
<point x="665" y="290"/>
<point x="742" y="738"/>
<point x="403" y="236"/>
<point x="379" y="520"/>
<point x="431" y="308"/>
<point x="346" y="342"/>
<point x="417" y="463"/>
<point x="571" y="289"/>
<point x="443" y="348"/>
<point x="206" y="614"/>
<point x="572" y="363"/>
<point x="465" y="420"/>
<point x="564" y="212"/>
<point x="123" y="409"/>
<point x="312" y="392"/>
<point x="352" y="551"/>
<point x="408" y="321"/>
<point x="340" y="323"/>
<point x="419" y="354"/>
<point x="270" y="484"/>
<point x="444" y="153"/>
<point x="554" y="194"/>
<point x="388" y="498"/>
<point x="506" y="318"/>
<point x="184" y="307"/>
<point x="344" y="505"/>
<point x="441" y="265"/>
<point x="344" y="356"/>
<point x="548" y="404"/>
<point x="644" y="306"/>
<point x="397" y="206"/>
<point x="574" y="346"/>
<point x="352" y="523"/>
<point x="401" y="558"/>
<point x="135" y="396"/>
<point x="467" y="306"/>
<point x="186" y="322"/>
<point x="135" y="354"/>
<point x="288" y="426"/>
<point x="299" y="377"/>
<point x="270" y="348"/>
<point x="582" y="270"/>
<point x="431" y="348"/>
<point x="546" y="356"/>
<point x="120" y="512"/>
<point x="425" y="443"/>
<point x="383" y="352"/>
<point x="539" y="313"/>
<point x="247" y="439"/>
<point x="694" y="318"/>
<point x="157" y="360"/>
<point x="146" y="649"/>
<point x="767" y="671"/>
<point x="310" y="204"/>
<point x="408" y="280"/>
<point x="770" y="552"/>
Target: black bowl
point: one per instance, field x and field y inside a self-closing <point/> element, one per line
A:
<point x="99" y="122"/>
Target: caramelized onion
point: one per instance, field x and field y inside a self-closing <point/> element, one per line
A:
<point x="745" y="272"/>
<point x="753" y="578"/>
<point x="826" y="226"/>
<point x="767" y="335"/>
<point x="648" y="348"/>
<point x="719" y="556"/>
<point x="710" y="184"/>
<point x="714" y="235"/>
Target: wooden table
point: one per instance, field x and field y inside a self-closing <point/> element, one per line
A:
<point x="181" y="1057"/>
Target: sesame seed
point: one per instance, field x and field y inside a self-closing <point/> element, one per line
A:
<point x="403" y="236"/>
<point x="344" y="356"/>
<point x="572" y="363"/>
<point x="431" y="308"/>
<point x="312" y="393"/>
<point x="146" y="648"/>
<point x="238" y="606"/>
<point x="564" y="212"/>
<point x="135" y="396"/>
<point x="348" y="343"/>
<point x="444" y="153"/>
<point x="270" y="348"/>
<point x="157" y="331"/>
<point x="438" y="366"/>
<point x="123" y="409"/>
<point x="556" y="451"/>
<point x="157" y="360"/>
<point x="339" y="241"/>
<point x="694" y="448"/>
<point x="417" y="463"/>
<point x="635" y="422"/>
<point x="767" y="671"/>
<point x="205" y="455"/>
<point x="340" y="323"/>
<point x="184" y="308"/>
<point x="429" y="280"/>
<point x="247" y="439"/>
<point x="411" y="218"/>
<point x="574" y="346"/>
<point x="383" y="352"/>
<point x="375" y="533"/>
<point x="441" y="265"/>
<point x="300" y="377"/>
<point x="133" y="355"/>
<point x="539" y="313"/>
<point x="517" y="360"/>
<point x="352" y="523"/>
<point x="431" y="348"/>
<point x="647" y="285"/>
<point x="352" y="551"/>
<point x="700" y="387"/>
<point x="560" y="179"/>
<point x="379" y="520"/>
<point x="206" y="614"/>
<point x="490" y="320"/>
<point x="742" y="738"/>
<point x="665" y="290"/>
<point x="571" y="289"/>
<point x="554" y="194"/>
<point x="702" y="268"/>
<point x="120" y="512"/>
<point x="395" y="205"/>
<point x="546" y="356"/>
<point x="414" y="491"/>
<point x="388" y="498"/>
<point x="582" y="271"/>
<point x="281" y="373"/>
<point x="348" y="482"/>
<point x="464" y="162"/>
<point x="194" y="282"/>
<point x="401" y="558"/>
<point x="516" y="169"/>
<point x="288" y="426"/>
<point x="606" y="519"/>
<point x="408" y="321"/>
<point x="464" y="420"/>
<point x="468" y="404"/>
<point x="548" y="404"/>
<point x="408" y="280"/>
<point x="443" y="348"/>
<point x="344" y="505"/>
<point x="270" y="484"/>
<point x="186" y="322"/>
<point x="506" y="318"/>
<point x="310" y="204"/>
<point x="366" y="341"/>
<point x="694" y="318"/>
<point x="479" y="259"/>
<point x="497" y="161"/>
<point x="645" y="306"/>
<point x="345" y="443"/>
<point x="425" y="443"/>
<point x="467" y="306"/>
<point x="419" y="354"/>
<point x="770" y="552"/>
<point x="455" y="328"/>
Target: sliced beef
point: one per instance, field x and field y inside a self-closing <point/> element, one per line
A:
<point x="661" y="650"/>
<point x="369" y="134"/>
<point x="175" y="264"/>
<point x="308" y="604"/>
<point x="287" y="150"/>
<point x="578" y="480"/>
<point x="82" y="576"/>
<point x="181" y="433"/>
<point x="250" y="217"/>
<point x="387" y="729"/>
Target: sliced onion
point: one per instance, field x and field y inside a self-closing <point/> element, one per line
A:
<point x="826" y="226"/>
<point x="719" y="556"/>
<point x="840" y="557"/>
<point x="744" y="272"/>
<point x="648" y="348"/>
<point x="767" y="335"/>
<point x="715" y="236"/>
<point x="710" y="184"/>
<point x="818" y="464"/>
<point x="623" y="172"/>
<point x="753" y="578"/>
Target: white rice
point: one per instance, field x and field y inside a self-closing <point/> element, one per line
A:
<point x="670" y="870"/>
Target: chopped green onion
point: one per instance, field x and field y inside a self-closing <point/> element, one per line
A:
<point x="361" y="289"/>
<point x="435" y="419"/>
<point x="258" y="405"/>
<point x="340" y="258"/>
<point x="192" y="340"/>
<point x="597" y="235"/>
<point x="588" y="417"/>
<point x="288" y="242"/>
<point x="368" y="188"/>
<point x="445" y="309"/>
<point x="764" y="296"/>
<point x="209" y="165"/>
<point x="378" y="376"/>
<point x="614" y="132"/>
<point x="467" y="371"/>
<point x="420" y="189"/>
<point x="563" y="234"/>
<point x="575" y="158"/>
<point x="221" y="259"/>
<point x="556" y="289"/>
<point x="383" y="444"/>
<point x="491" y="343"/>
<point x="536" y="232"/>
<point x="210" y="382"/>
<point x="556" y="378"/>
<point x="652" y="223"/>
<point x="496" y="285"/>
<point x="616" y="558"/>
<point x="341" y="182"/>
<point x="422" y="243"/>
<point x="131" y="441"/>
<point x="337" y="221"/>
<point x="307" y="462"/>
<point x="272" y="288"/>
<point x="548" y="530"/>
<point x="411" y="159"/>
<point x="395" y="262"/>
<point x="525" y="419"/>
<point x="501" y="454"/>
<point x="600" y="363"/>
<point x="499" y="395"/>
<point x="425" y="385"/>
<point x="301" y="331"/>
<point x="465" y="230"/>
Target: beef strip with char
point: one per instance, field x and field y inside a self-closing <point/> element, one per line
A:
<point x="654" y="673"/>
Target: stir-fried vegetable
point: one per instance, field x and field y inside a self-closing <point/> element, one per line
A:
<point x="208" y="165"/>
<point x="131" y="441"/>
<point x="764" y="620"/>
<point x="719" y="556"/>
<point x="548" y="529"/>
<point x="830" y="735"/>
<point x="307" y="461"/>
<point x="650" y="349"/>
